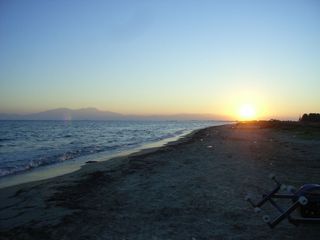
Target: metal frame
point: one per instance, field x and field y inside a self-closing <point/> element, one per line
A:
<point x="298" y="201"/>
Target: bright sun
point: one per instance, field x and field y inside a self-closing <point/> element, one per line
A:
<point x="247" y="112"/>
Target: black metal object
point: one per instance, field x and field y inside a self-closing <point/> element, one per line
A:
<point x="305" y="201"/>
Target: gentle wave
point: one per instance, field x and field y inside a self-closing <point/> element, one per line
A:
<point x="26" y="145"/>
<point x="23" y="165"/>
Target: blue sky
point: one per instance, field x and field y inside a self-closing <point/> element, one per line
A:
<point x="161" y="56"/>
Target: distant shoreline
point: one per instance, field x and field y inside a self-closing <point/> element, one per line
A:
<point x="69" y="166"/>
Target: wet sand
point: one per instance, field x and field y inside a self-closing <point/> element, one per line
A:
<point x="190" y="189"/>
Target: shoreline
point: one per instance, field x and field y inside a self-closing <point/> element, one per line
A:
<point x="192" y="188"/>
<point x="73" y="165"/>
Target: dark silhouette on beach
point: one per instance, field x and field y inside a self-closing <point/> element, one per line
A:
<point x="311" y="117"/>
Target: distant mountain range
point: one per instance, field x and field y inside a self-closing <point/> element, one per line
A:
<point x="95" y="114"/>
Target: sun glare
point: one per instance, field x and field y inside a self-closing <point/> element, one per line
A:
<point x="247" y="112"/>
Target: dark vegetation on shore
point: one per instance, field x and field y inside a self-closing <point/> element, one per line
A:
<point x="304" y="129"/>
<point x="311" y="117"/>
<point x="307" y="122"/>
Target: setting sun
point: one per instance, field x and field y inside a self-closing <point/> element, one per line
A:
<point x="247" y="112"/>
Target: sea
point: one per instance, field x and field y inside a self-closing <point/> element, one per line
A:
<point x="29" y="145"/>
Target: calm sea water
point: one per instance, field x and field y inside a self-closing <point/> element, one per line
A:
<point x="25" y="145"/>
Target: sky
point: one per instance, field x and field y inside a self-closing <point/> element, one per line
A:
<point x="161" y="57"/>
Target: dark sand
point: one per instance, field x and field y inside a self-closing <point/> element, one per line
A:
<point x="193" y="189"/>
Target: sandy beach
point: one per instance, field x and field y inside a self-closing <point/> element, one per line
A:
<point x="190" y="189"/>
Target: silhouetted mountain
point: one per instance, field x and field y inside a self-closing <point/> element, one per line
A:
<point x="8" y="116"/>
<point x="95" y="114"/>
<point x="65" y="114"/>
<point x="78" y="114"/>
